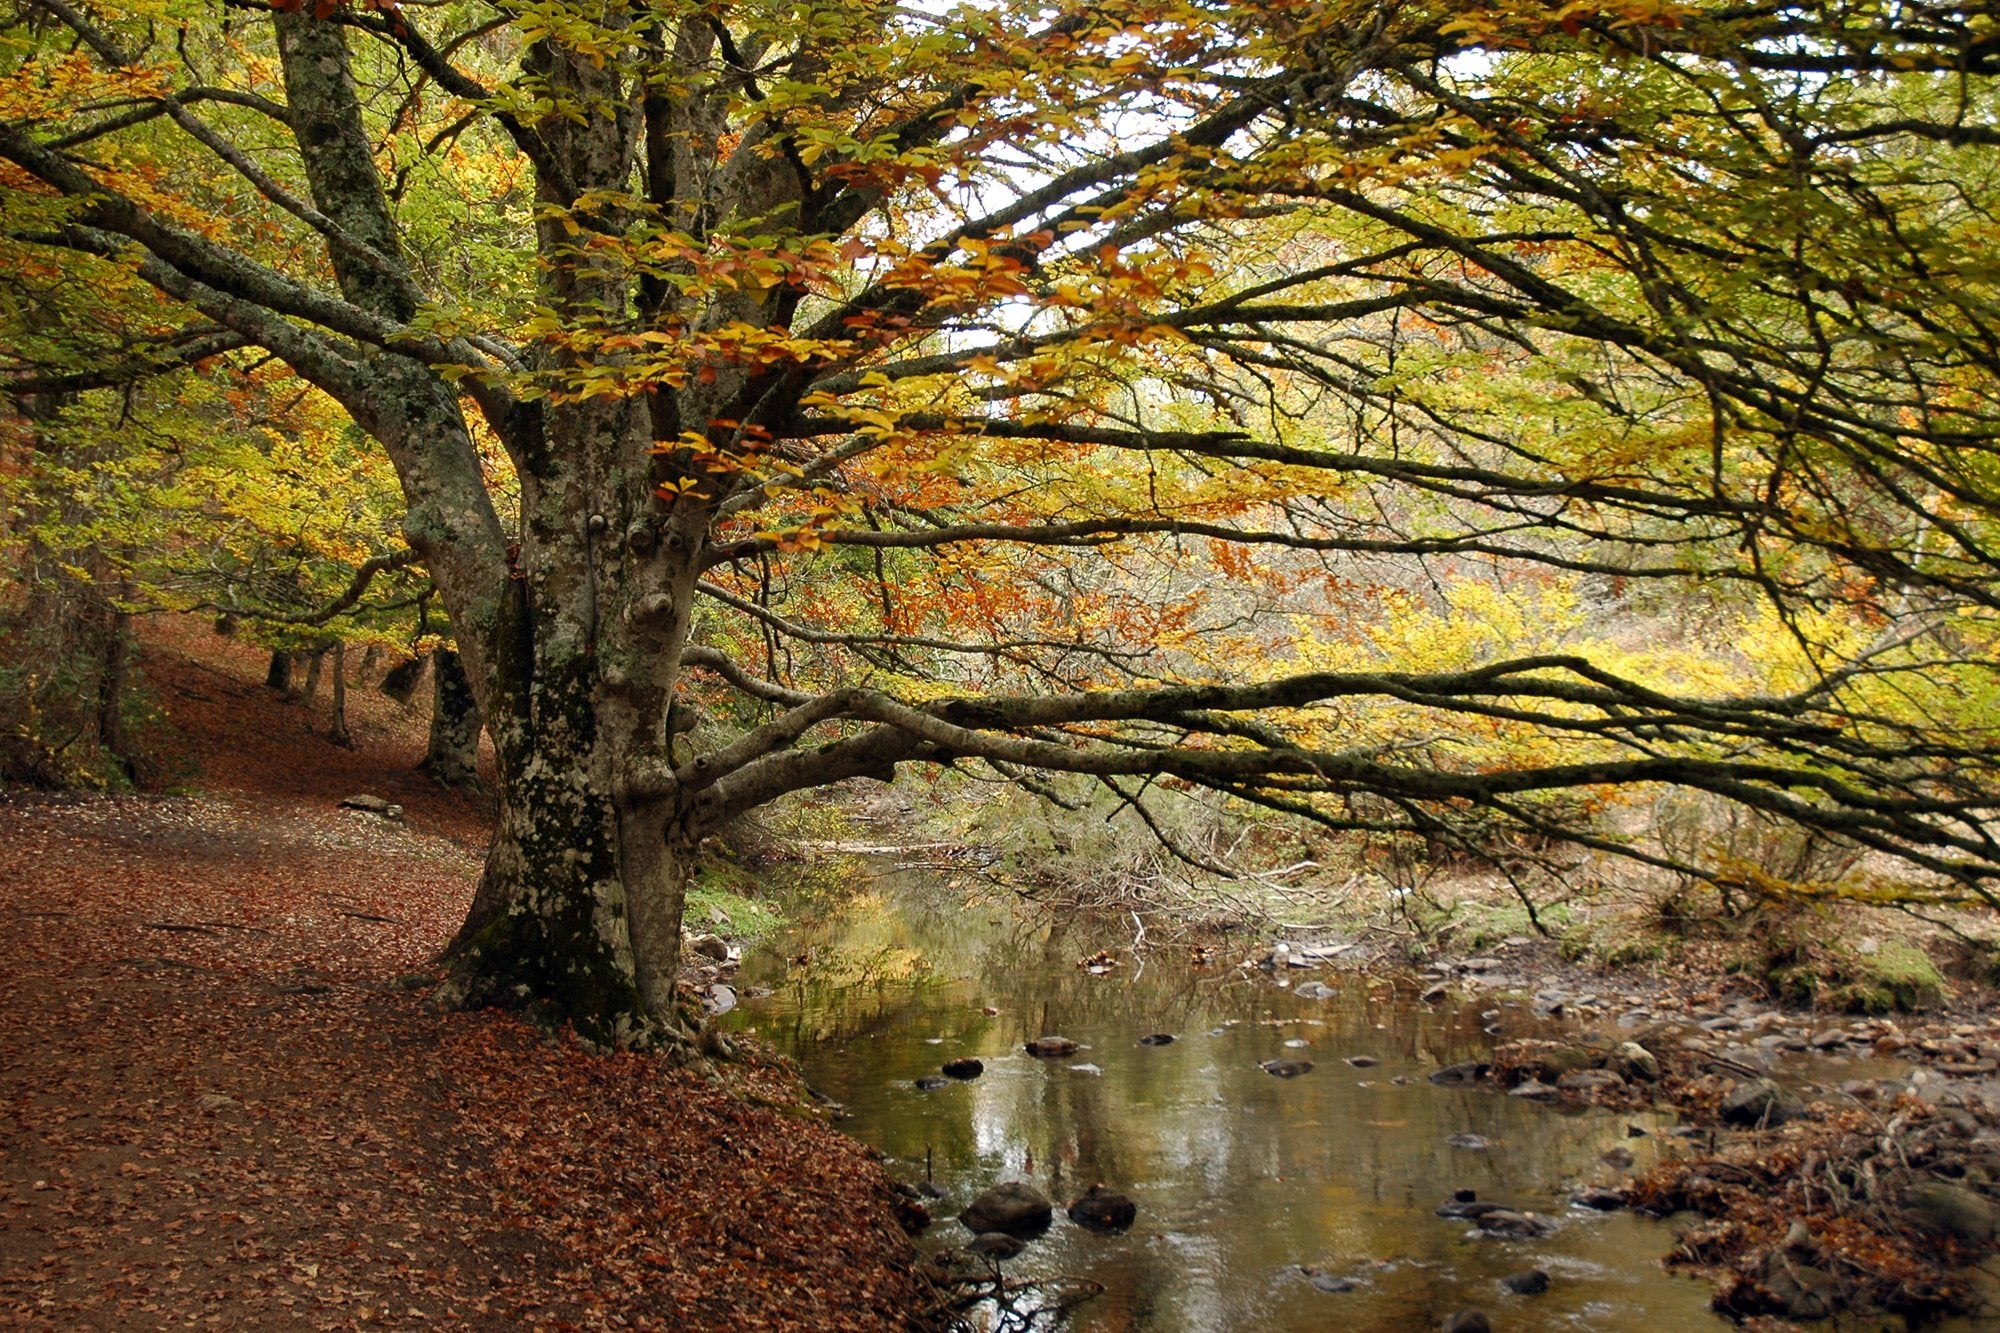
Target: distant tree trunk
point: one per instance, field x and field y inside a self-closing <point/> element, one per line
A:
<point x="400" y="681"/>
<point x="453" y="756"/>
<point x="369" y="661"/>
<point x="279" y="675"/>
<point x="113" y="675"/>
<point x="314" y="661"/>
<point x="338" y="733"/>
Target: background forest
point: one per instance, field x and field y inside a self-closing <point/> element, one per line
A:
<point x="1331" y="443"/>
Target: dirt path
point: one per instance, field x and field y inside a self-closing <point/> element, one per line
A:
<point x="219" y="1109"/>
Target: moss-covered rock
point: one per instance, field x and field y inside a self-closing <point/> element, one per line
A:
<point x="1897" y="976"/>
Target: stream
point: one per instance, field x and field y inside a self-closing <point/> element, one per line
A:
<point x="1241" y="1178"/>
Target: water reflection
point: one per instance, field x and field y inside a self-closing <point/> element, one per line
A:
<point x="1240" y="1177"/>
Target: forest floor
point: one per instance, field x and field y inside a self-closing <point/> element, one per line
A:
<point x="219" y="1108"/>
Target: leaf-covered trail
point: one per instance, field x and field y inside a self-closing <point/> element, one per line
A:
<point x="219" y="1109"/>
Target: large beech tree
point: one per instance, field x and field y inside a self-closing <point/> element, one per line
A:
<point x="948" y="384"/>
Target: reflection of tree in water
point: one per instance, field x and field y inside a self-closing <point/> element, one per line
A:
<point x="1240" y="1176"/>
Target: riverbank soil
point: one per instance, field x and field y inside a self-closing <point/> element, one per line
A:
<point x="223" y="1106"/>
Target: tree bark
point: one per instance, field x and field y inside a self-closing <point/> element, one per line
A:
<point x="337" y="732"/>
<point x="278" y="676"/>
<point x="315" y="662"/>
<point x="114" y="673"/>
<point x="452" y="757"/>
<point x="400" y="681"/>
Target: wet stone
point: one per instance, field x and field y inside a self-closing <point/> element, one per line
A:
<point x="932" y="1082"/>
<point x="964" y="1067"/>
<point x="1326" y="1280"/>
<point x="996" y="1245"/>
<point x="1050" y="1046"/>
<point x="1462" y="1074"/>
<point x="1531" y="1282"/>
<point x="1468" y="1207"/>
<point x="1287" y="1068"/>
<point x="1508" y="1224"/>
<point x="1101" y="1209"/>
<point x="1468" y="1321"/>
<point x="1952" y="1210"/>
<point x="1015" y="1208"/>
<point x="1590" y="1080"/>
<point x="1759" y="1101"/>
<point x="1157" y="1039"/>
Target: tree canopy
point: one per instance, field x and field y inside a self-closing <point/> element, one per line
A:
<point x="1423" y="417"/>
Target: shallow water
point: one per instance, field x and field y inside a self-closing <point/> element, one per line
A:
<point x="1241" y="1178"/>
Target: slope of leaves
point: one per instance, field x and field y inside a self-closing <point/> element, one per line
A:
<point x="221" y="1110"/>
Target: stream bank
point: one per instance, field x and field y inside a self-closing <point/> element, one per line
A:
<point x="1287" y="1152"/>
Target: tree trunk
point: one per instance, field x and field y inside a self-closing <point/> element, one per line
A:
<point x="314" y="661"/>
<point x="577" y="915"/>
<point x="400" y="681"/>
<point x="452" y="759"/>
<point x="279" y="675"/>
<point x="338" y="733"/>
<point x="113" y="675"/>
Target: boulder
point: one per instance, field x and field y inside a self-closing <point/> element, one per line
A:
<point x="1468" y="1321"/>
<point x="1051" y="1046"/>
<point x="1589" y="1080"/>
<point x="1510" y="1225"/>
<point x="1546" y="1061"/>
<point x="1759" y="1101"/>
<point x="912" y="1216"/>
<point x="1014" y="1208"/>
<point x="1100" y="1209"/>
<point x="1466" y="1204"/>
<point x="964" y="1067"/>
<point x="1637" y="1063"/>
<point x="1287" y="1068"/>
<point x="1952" y="1209"/>
<point x="1326" y="1280"/>
<point x="712" y="947"/>
<point x="996" y="1245"/>
<point x="1600" y="1197"/>
<point x="1462" y="1074"/>
<point x="1531" y="1282"/>
<point x="1800" y="1290"/>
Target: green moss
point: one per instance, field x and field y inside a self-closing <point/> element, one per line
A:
<point x="1616" y="942"/>
<point x="1898" y="976"/>
<point x="1485" y="925"/>
<point x="720" y="890"/>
